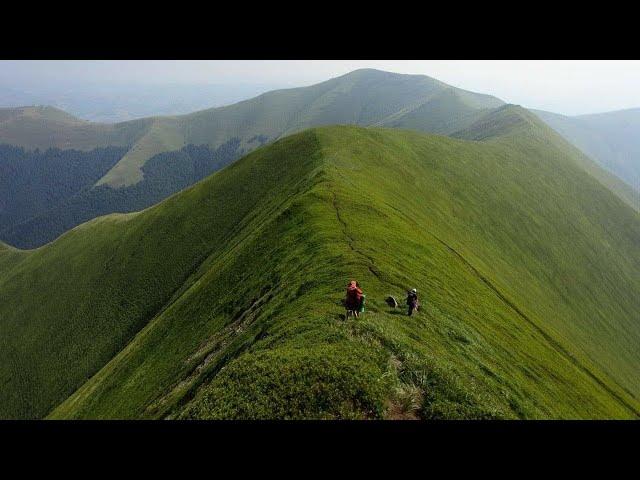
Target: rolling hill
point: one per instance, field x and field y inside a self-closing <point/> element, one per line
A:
<point x="166" y="154"/>
<point x="612" y="139"/>
<point x="158" y="160"/>
<point x="223" y="301"/>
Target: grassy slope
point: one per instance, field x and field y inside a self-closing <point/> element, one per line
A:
<point x="528" y="270"/>
<point x="522" y="133"/>
<point x="71" y="305"/>
<point x="611" y="139"/>
<point x="9" y="256"/>
<point x="163" y="135"/>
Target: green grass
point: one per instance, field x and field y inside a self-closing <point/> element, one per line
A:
<point x="611" y="140"/>
<point x="224" y="300"/>
<point x="9" y="256"/>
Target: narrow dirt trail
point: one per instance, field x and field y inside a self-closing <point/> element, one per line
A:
<point x="350" y="241"/>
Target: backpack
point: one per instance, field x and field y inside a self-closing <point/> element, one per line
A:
<point x="361" y="309"/>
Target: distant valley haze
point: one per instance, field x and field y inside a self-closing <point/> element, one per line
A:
<point x="564" y="87"/>
<point x="118" y="102"/>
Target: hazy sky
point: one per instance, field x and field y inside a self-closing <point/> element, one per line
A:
<point x="569" y="87"/>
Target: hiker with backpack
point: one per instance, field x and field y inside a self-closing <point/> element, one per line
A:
<point x="412" y="301"/>
<point x="354" y="300"/>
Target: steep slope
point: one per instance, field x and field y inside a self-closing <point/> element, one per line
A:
<point x="612" y="139"/>
<point x="519" y="130"/>
<point x="389" y="240"/>
<point x="32" y="181"/>
<point x="97" y="285"/>
<point x="224" y="300"/>
<point x="35" y="213"/>
<point x="506" y="119"/>
<point x="8" y="256"/>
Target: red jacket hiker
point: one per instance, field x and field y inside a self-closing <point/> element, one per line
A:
<point x="354" y="296"/>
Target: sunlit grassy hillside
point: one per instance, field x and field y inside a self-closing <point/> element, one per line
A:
<point x="224" y="300"/>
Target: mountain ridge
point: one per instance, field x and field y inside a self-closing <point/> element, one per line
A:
<point x="165" y="154"/>
<point x="364" y="257"/>
<point x="259" y="254"/>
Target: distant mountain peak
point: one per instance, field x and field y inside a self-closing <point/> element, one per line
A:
<point x="41" y="112"/>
